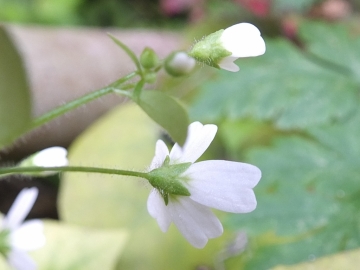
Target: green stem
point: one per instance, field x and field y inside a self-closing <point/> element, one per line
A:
<point x="81" y="101"/>
<point x="120" y="81"/>
<point x="69" y="106"/>
<point x="20" y="170"/>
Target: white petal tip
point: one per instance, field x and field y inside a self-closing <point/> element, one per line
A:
<point x="243" y="40"/>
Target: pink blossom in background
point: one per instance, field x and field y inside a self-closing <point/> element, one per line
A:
<point x="259" y="8"/>
<point x="195" y="8"/>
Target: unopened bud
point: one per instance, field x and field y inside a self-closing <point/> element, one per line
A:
<point x="222" y="48"/>
<point x="179" y="64"/>
<point x="148" y="58"/>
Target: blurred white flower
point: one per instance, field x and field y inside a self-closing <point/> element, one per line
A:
<point x="220" y="184"/>
<point x="22" y="236"/>
<point x="51" y="157"/>
<point x="55" y="156"/>
<point x="242" y="40"/>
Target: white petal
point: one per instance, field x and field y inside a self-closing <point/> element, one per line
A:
<point x="196" y="222"/>
<point x="198" y="140"/>
<point x="19" y="260"/>
<point x="243" y="40"/>
<point x="161" y="151"/>
<point x="20" y="208"/>
<point x="29" y="236"/>
<point x="158" y="210"/>
<point x="51" y="157"/>
<point x="227" y="63"/>
<point x="224" y="185"/>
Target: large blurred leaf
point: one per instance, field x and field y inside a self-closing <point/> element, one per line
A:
<point x="167" y="112"/>
<point x="337" y="44"/>
<point x="308" y="203"/>
<point x="79" y="248"/>
<point x="347" y="260"/>
<point x="282" y="86"/>
<point x="15" y="111"/>
<point x="125" y="139"/>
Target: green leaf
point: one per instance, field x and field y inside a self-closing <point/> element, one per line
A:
<point x="283" y="87"/>
<point x="167" y="112"/>
<point x="345" y="260"/>
<point x="281" y="6"/>
<point x="308" y="203"/>
<point x="15" y="106"/>
<point x="125" y="139"/>
<point x="79" y="248"/>
<point x="336" y="43"/>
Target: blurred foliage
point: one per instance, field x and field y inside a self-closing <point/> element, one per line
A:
<point x="349" y="260"/>
<point x="64" y="241"/>
<point x="14" y="119"/>
<point x="39" y="11"/>
<point x="166" y="13"/>
<point x="280" y="6"/>
<point x="294" y="113"/>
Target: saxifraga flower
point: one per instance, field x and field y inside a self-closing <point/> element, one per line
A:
<point x="219" y="184"/>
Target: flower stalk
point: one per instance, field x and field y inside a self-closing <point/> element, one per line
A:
<point x="79" y="169"/>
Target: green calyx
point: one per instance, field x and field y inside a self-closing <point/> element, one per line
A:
<point x="4" y="242"/>
<point x="167" y="179"/>
<point x="210" y="51"/>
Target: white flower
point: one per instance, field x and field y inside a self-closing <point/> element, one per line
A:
<point x="22" y="237"/>
<point x="51" y="157"/>
<point x="242" y="40"/>
<point x="222" y="48"/>
<point x="220" y="184"/>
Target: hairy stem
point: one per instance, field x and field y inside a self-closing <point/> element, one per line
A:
<point x="81" y="169"/>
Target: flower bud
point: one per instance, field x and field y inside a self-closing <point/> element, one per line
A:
<point x="49" y="157"/>
<point x="179" y="64"/>
<point x="148" y="58"/>
<point x="222" y="48"/>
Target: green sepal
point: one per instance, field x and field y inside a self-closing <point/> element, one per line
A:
<point x="4" y="242"/>
<point x="210" y="51"/>
<point x="167" y="179"/>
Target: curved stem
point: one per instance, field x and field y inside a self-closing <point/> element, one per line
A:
<point x="69" y="106"/>
<point x="81" y="169"/>
<point x="81" y="101"/>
